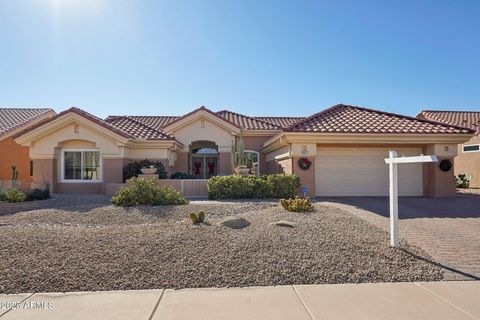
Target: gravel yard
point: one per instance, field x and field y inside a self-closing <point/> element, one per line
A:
<point x="101" y="247"/>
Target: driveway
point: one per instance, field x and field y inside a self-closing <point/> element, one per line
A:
<point x="447" y="228"/>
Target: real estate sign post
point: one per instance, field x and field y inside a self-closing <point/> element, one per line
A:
<point x="393" y="162"/>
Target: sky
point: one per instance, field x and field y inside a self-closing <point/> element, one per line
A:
<point x="269" y="57"/>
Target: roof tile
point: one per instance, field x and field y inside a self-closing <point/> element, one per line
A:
<point x="13" y="118"/>
<point x="467" y="119"/>
<point x="352" y="119"/>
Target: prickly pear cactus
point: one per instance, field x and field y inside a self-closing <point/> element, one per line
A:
<point x="201" y="216"/>
<point x="193" y="217"/>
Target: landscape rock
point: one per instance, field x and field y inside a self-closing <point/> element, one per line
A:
<point x="283" y="223"/>
<point x="235" y="223"/>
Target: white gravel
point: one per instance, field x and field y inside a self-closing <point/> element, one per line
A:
<point x="102" y="247"/>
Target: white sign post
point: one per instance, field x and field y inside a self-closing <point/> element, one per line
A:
<point x="393" y="162"/>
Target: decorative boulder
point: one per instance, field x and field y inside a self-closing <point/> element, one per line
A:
<point x="235" y="223"/>
<point x="284" y="223"/>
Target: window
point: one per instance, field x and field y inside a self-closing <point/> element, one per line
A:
<point x="253" y="160"/>
<point x="471" y="148"/>
<point x="31" y="168"/>
<point x="81" y="165"/>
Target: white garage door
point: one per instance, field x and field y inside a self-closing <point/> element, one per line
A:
<point x="363" y="172"/>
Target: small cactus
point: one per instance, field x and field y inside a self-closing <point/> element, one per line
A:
<point x="193" y="217"/>
<point x="297" y="204"/>
<point x="201" y="216"/>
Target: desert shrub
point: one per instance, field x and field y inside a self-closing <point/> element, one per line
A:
<point x="463" y="181"/>
<point x="38" y="194"/>
<point x="297" y="204"/>
<point x="133" y="169"/>
<point x="182" y="175"/>
<point x="284" y="185"/>
<point x="12" y="195"/>
<point x="267" y="186"/>
<point x="140" y="191"/>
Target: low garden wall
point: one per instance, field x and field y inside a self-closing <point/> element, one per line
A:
<point x="192" y="188"/>
<point x="10" y="208"/>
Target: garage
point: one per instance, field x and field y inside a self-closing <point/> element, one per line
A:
<point x="363" y="172"/>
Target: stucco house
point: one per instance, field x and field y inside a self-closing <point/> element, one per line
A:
<point x="13" y="120"/>
<point x="468" y="159"/>
<point x="343" y="147"/>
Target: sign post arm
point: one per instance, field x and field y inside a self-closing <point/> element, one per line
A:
<point x="393" y="172"/>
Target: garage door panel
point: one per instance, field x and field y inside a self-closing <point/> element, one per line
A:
<point x="363" y="172"/>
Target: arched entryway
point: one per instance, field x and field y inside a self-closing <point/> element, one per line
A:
<point x="203" y="162"/>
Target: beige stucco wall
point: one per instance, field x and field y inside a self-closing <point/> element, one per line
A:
<point x="204" y="130"/>
<point x="469" y="163"/>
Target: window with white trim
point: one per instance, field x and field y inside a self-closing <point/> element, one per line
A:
<point x="81" y="165"/>
<point x="252" y="158"/>
<point x="471" y="148"/>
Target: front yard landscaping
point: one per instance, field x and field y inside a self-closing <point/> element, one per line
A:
<point x="103" y="247"/>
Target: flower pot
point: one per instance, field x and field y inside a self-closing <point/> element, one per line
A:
<point x="242" y="171"/>
<point x="149" y="170"/>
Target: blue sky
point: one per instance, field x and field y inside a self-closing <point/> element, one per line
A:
<point x="254" y="57"/>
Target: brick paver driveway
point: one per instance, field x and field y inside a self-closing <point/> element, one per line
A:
<point x="447" y="228"/>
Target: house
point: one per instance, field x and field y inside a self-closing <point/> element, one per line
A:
<point x="13" y="120"/>
<point x="468" y="159"/>
<point x="337" y="152"/>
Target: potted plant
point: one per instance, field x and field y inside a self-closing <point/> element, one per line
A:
<point x="149" y="170"/>
<point x="239" y="162"/>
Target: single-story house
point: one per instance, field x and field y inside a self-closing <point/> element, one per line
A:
<point x="467" y="160"/>
<point x="13" y="120"/>
<point x="337" y="152"/>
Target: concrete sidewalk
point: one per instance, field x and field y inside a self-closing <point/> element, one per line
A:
<point x="433" y="300"/>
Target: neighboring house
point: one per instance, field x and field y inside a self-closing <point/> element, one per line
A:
<point x="468" y="159"/>
<point x="12" y="120"/>
<point x="346" y="146"/>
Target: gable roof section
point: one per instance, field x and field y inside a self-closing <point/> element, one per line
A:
<point x="467" y="119"/>
<point x="352" y="119"/>
<point x="246" y="122"/>
<point x="226" y="123"/>
<point x="15" y="118"/>
<point x="137" y="129"/>
<point x="81" y="113"/>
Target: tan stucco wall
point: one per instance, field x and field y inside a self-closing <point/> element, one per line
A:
<point x="307" y="177"/>
<point x="67" y="137"/>
<point x="204" y="130"/>
<point x="469" y="163"/>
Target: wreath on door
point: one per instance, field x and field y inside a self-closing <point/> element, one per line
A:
<point x="304" y="163"/>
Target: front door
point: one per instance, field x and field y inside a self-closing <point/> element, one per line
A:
<point x="204" y="166"/>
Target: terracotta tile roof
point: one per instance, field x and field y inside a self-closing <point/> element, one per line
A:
<point x="13" y="118"/>
<point x="283" y="122"/>
<point x="467" y="119"/>
<point x="246" y="122"/>
<point x="352" y="119"/>
<point x="137" y="129"/>
<point x="155" y="122"/>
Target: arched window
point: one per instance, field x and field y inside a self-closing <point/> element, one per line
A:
<point x="253" y="160"/>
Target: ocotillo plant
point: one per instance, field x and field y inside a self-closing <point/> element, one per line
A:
<point x="14" y="176"/>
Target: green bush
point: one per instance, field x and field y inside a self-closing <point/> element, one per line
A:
<point x="463" y="181"/>
<point x="297" y="204"/>
<point x="182" y="175"/>
<point x="133" y="169"/>
<point x="267" y="186"/>
<point x="12" y="195"/>
<point x="141" y="191"/>
<point x="38" y="194"/>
